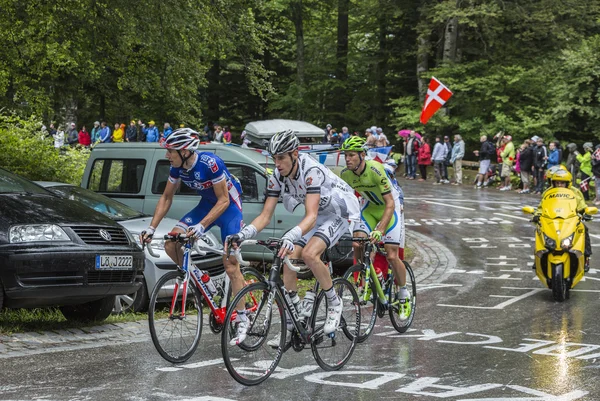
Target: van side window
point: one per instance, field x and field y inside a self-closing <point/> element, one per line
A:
<point x="161" y="175"/>
<point x="117" y="176"/>
<point x="253" y="183"/>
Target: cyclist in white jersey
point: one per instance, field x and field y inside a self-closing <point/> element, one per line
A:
<point x="331" y="208"/>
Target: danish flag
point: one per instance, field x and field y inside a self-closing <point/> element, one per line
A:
<point x="437" y="95"/>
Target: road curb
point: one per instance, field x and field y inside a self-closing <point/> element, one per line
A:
<point x="432" y="260"/>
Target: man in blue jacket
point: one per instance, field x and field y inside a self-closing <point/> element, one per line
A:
<point x="458" y="152"/>
<point x="151" y="132"/>
<point x="105" y="134"/>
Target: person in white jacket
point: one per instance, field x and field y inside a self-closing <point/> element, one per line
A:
<point x="59" y="138"/>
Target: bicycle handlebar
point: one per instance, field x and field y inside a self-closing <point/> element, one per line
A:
<point x="242" y="262"/>
<point x="200" y="246"/>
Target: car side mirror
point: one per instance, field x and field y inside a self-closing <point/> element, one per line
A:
<point x="591" y="210"/>
<point x="528" y="209"/>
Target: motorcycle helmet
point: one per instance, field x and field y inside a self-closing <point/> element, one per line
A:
<point x="561" y="176"/>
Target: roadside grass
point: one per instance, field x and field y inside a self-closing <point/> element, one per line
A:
<point x="48" y="319"/>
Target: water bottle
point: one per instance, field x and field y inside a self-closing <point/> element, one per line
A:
<point x="208" y="283"/>
<point x="307" y="304"/>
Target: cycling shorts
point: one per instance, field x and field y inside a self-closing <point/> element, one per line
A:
<point x="395" y="233"/>
<point x="329" y="227"/>
<point x="230" y="222"/>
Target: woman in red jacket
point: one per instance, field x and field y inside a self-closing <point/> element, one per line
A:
<point x="84" y="137"/>
<point x="424" y="158"/>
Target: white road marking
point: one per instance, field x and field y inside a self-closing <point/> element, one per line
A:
<point x="512" y="217"/>
<point x="444" y="204"/>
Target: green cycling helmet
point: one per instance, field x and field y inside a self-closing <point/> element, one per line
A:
<point x="354" y="144"/>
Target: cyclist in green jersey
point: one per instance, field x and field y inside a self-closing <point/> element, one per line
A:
<point x="381" y="210"/>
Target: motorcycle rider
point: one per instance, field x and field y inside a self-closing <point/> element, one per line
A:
<point x="560" y="177"/>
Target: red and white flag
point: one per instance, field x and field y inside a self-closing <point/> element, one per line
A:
<point x="437" y="95"/>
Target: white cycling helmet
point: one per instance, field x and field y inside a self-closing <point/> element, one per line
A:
<point x="283" y="142"/>
<point x="181" y="139"/>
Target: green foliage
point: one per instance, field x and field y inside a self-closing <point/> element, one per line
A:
<point x="25" y="151"/>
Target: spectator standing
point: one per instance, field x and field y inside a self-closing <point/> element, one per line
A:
<point x="458" y="152"/>
<point x="95" y="137"/>
<point x="131" y="132"/>
<point x="439" y="158"/>
<point x="485" y="153"/>
<point x="141" y="137"/>
<point x="51" y="130"/>
<point x="586" y="167"/>
<point x="596" y="171"/>
<point x="72" y="136"/>
<point x="572" y="162"/>
<point x="245" y="140"/>
<point x="326" y="135"/>
<point x="447" y="163"/>
<point x="508" y="158"/>
<point x="151" y="132"/>
<point x="59" y="137"/>
<point x="526" y="165"/>
<point x="540" y="159"/>
<point x="553" y="155"/>
<point x="167" y="130"/>
<point x="226" y="135"/>
<point x="84" y="137"/>
<point x="219" y="134"/>
<point x="345" y="134"/>
<point x="382" y="140"/>
<point x="119" y="133"/>
<point x="105" y="134"/>
<point x="424" y="158"/>
<point x="412" y="149"/>
<point x="371" y="139"/>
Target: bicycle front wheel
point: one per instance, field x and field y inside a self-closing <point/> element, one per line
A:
<point x="251" y="359"/>
<point x="175" y="332"/>
<point x="411" y="285"/>
<point x="368" y="307"/>
<point x="333" y="351"/>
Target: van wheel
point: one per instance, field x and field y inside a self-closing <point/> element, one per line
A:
<point x="90" y="311"/>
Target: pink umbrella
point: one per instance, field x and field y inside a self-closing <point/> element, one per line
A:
<point x="406" y="132"/>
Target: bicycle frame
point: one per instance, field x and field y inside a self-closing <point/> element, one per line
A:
<point x="370" y="273"/>
<point x="195" y="274"/>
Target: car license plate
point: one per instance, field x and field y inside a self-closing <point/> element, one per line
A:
<point x="114" y="262"/>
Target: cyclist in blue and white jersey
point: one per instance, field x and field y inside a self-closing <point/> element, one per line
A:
<point x="221" y="203"/>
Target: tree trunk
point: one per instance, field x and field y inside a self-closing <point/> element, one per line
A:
<point x="450" y="40"/>
<point x="341" y="73"/>
<point x="297" y="19"/>
<point x="380" y="112"/>
<point x="213" y="90"/>
<point x="423" y="47"/>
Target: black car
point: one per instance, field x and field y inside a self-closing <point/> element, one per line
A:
<point x="57" y="252"/>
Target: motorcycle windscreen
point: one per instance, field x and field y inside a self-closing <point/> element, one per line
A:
<point x="559" y="203"/>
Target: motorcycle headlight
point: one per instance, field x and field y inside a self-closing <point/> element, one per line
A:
<point x="549" y="243"/>
<point x="37" y="233"/>
<point x="567" y="243"/>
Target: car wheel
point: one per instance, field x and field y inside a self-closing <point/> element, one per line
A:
<point x="136" y="302"/>
<point x="91" y="311"/>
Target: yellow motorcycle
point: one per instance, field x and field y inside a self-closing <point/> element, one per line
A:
<point x="559" y="241"/>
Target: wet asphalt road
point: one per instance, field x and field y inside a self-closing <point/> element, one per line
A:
<point x="485" y="329"/>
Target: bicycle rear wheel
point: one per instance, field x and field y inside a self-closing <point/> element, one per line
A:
<point x="333" y="351"/>
<point x="411" y="285"/>
<point x="368" y="308"/>
<point x="252" y="361"/>
<point x="175" y="335"/>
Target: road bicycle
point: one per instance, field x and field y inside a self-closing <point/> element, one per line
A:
<point x="175" y="314"/>
<point x="252" y="361"/>
<point x="377" y="298"/>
